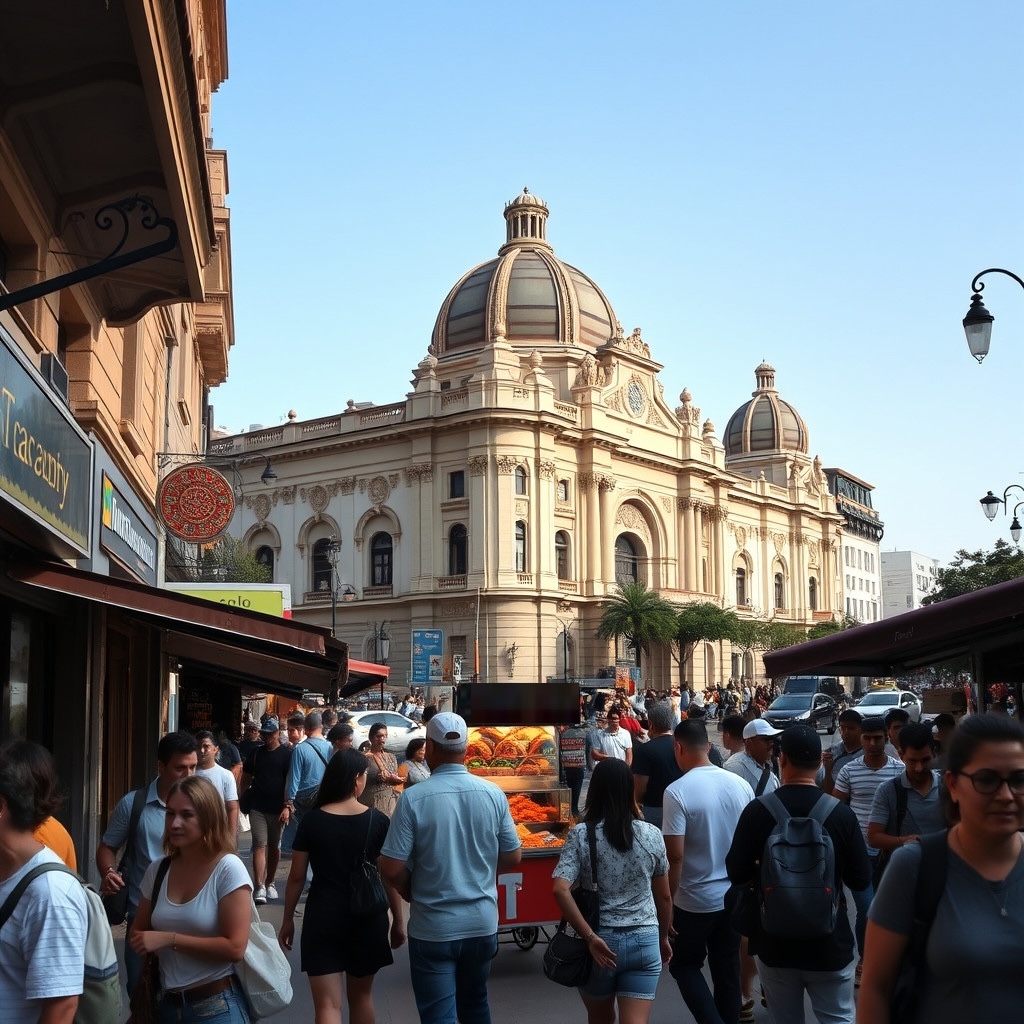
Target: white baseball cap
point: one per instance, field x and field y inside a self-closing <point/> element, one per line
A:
<point x="759" y="727"/>
<point x="448" y="730"/>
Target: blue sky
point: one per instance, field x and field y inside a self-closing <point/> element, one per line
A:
<point x="811" y="183"/>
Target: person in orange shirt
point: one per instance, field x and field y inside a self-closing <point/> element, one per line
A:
<point x="53" y="835"/>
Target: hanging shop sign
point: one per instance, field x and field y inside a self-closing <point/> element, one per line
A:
<point x="123" y="534"/>
<point x="427" y="654"/>
<point x="196" y="503"/>
<point x="45" y="460"/>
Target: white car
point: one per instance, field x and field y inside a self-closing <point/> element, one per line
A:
<point x="400" y="729"/>
<point x="877" y="702"/>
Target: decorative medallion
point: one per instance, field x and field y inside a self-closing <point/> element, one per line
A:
<point x="379" y="490"/>
<point x="741" y="537"/>
<point x="260" y="505"/>
<point x="317" y="497"/>
<point x="196" y="503"/>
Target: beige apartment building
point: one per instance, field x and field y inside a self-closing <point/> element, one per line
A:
<point x="535" y="464"/>
<point x="105" y="150"/>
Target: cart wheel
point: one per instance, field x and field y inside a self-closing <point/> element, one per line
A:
<point x="525" y="938"/>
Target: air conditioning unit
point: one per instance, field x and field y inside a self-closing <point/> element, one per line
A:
<point x="56" y="376"/>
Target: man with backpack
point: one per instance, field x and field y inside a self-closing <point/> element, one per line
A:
<point x="793" y="850"/>
<point x="909" y="805"/>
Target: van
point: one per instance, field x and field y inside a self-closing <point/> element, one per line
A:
<point x="814" y="684"/>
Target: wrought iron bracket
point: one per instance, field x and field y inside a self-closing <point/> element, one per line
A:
<point x="113" y="216"/>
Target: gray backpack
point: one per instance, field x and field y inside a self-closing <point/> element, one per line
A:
<point x="799" y="895"/>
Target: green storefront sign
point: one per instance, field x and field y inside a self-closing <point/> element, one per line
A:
<point x="45" y="460"/>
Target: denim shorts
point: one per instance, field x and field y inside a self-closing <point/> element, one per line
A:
<point x="637" y="964"/>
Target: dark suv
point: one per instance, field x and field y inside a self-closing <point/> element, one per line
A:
<point x="817" y="710"/>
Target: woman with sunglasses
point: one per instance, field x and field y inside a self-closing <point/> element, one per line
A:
<point x="973" y="961"/>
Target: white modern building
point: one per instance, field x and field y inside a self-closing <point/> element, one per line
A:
<point x="907" y="579"/>
<point x="860" y="563"/>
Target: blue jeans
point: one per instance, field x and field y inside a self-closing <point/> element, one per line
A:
<point x="831" y="993"/>
<point x="637" y="964"/>
<point x="710" y="937"/>
<point x="227" y="1007"/>
<point x="862" y="901"/>
<point x="449" y="979"/>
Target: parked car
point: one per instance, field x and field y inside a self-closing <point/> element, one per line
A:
<point x="817" y="710"/>
<point x="400" y="729"/>
<point x="877" y="702"/>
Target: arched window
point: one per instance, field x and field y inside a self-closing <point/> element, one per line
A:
<point x="780" y="591"/>
<point x="265" y="556"/>
<point x="520" y="546"/>
<point x="562" y="555"/>
<point x="625" y="560"/>
<point x="520" y="479"/>
<point x="322" y="571"/>
<point x="812" y="594"/>
<point x="457" y="550"/>
<point x="380" y="559"/>
<point x="741" y="586"/>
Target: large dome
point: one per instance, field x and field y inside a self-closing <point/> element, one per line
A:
<point x="766" y="423"/>
<point x="526" y="295"/>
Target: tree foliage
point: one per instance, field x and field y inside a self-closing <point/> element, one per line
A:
<point x="972" y="570"/>
<point x="773" y="636"/>
<point x="229" y="561"/>
<point x="640" y="616"/>
<point x="699" y="622"/>
<point x="820" y="629"/>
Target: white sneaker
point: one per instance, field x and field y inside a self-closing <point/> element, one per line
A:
<point x="271" y="891"/>
<point x="259" y="897"/>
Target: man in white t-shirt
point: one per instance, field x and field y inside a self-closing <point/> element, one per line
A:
<point x="206" y="751"/>
<point x="700" y="812"/>
<point x="613" y="742"/>
<point x="754" y="761"/>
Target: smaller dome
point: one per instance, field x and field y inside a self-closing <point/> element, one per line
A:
<point x="527" y="198"/>
<point x="767" y="423"/>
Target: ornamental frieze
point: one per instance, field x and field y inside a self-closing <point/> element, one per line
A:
<point x="507" y="464"/>
<point x="423" y="471"/>
<point x="260" y="506"/>
<point x="477" y="465"/>
<point x="546" y="468"/>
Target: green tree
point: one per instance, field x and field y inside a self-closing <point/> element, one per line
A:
<point x="229" y="561"/>
<point x="972" y="570"/>
<point x="773" y="636"/>
<point x="820" y="629"/>
<point x="697" y="622"/>
<point x="640" y="616"/>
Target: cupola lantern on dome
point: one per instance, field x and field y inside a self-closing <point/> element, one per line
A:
<point x="526" y="297"/>
<point x="767" y="423"/>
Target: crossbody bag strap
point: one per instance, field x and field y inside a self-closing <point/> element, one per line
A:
<point x="161" y="874"/>
<point x="316" y="750"/>
<point x="592" y="842"/>
<point x="902" y="797"/>
<point x="763" y="781"/>
<point x="366" y="841"/>
<point x="138" y="802"/>
<point x="19" y="890"/>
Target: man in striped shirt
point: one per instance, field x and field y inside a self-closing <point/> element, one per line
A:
<point x="855" y="785"/>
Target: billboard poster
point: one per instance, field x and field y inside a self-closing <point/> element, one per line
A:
<point x="427" y="656"/>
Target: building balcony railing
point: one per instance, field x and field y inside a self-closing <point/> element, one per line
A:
<point x="382" y="591"/>
<point x="451" y="582"/>
<point x="568" y="586"/>
<point x="316" y="597"/>
<point x="525" y="578"/>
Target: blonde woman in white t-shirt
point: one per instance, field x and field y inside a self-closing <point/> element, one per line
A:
<point x="198" y="922"/>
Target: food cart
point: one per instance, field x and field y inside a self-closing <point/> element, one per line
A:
<point x="522" y="760"/>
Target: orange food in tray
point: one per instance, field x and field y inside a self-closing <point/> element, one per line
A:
<point x="525" y="809"/>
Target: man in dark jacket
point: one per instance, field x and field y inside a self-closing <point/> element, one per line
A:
<point x="823" y="967"/>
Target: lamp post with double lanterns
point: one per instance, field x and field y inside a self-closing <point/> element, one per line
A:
<point x="990" y="506"/>
<point x="978" y="322"/>
<point x="381" y="650"/>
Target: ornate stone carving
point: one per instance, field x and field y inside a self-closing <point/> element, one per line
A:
<point x="587" y="480"/>
<point x="286" y="495"/>
<point x="317" y="497"/>
<point x="522" y="508"/>
<point x="507" y="464"/>
<point x="564" y="607"/>
<point x="260" y="506"/>
<point x="458" y="609"/>
<point x="546" y="468"/>
<point x="666" y="503"/>
<point x="606" y="483"/>
<point x="589" y="374"/>
<point x="634" y="343"/>
<point x="347" y="484"/>
<point x="812" y="553"/>
<point x="521" y="392"/>
<point x="614" y="401"/>
<point x="392" y="480"/>
<point x="687" y="413"/>
<point x="379" y="491"/>
<point x="424" y="472"/>
<point x="653" y="417"/>
<point x="630" y="517"/>
<point x="741" y="537"/>
<point x="779" y="540"/>
<point x="477" y="465"/>
<point x="716" y="513"/>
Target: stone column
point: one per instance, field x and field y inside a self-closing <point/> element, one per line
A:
<point x="605" y="486"/>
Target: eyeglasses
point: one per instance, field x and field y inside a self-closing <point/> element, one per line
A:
<point x="987" y="782"/>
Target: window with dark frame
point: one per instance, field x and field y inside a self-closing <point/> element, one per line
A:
<point x="457" y="484"/>
<point x="265" y="556"/>
<point x="562" y="555"/>
<point x="322" y="570"/>
<point x="520" y="476"/>
<point x="457" y="550"/>
<point x="381" y="548"/>
<point x="520" y="546"/>
<point x="741" y="585"/>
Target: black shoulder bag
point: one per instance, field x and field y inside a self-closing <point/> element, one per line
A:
<point x="116" y="904"/>
<point x="368" y="895"/>
<point x="567" y="959"/>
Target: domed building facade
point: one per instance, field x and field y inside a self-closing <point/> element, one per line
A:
<point x="534" y="466"/>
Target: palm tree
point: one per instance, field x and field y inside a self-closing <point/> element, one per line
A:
<point x="639" y="615"/>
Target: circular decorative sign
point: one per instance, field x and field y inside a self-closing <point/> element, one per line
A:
<point x="196" y="503"/>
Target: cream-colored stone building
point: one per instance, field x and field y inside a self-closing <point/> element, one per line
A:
<point x="535" y="464"/>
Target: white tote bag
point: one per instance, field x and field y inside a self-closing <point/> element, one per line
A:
<point x="264" y="971"/>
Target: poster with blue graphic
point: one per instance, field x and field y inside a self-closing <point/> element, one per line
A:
<point x="427" y="656"/>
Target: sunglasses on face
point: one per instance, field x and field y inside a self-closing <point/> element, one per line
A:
<point x="987" y="782"/>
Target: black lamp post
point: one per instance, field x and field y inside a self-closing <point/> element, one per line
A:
<point x="990" y="506"/>
<point x="381" y="650"/>
<point x="978" y="322"/>
<point x="333" y="552"/>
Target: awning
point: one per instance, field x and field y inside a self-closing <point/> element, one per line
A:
<point x="362" y="675"/>
<point x="986" y="624"/>
<point x="279" y="654"/>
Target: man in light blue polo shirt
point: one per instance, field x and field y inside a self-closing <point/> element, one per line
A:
<point x="449" y="838"/>
<point x="175" y="759"/>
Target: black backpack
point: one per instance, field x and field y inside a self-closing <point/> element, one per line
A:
<point x="799" y="895"/>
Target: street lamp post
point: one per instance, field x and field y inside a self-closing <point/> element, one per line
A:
<point x="978" y="322"/>
<point x="990" y="506"/>
<point x="333" y="552"/>
<point x="381" y="650"/>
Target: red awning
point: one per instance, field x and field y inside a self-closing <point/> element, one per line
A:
<point x="362" y="675"/>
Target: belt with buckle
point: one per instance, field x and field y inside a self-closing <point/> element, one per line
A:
<point x="192" y="995"/>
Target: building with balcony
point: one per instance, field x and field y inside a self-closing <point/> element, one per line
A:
<point x="861" y="552"/>
<point x="533" y="466"/>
